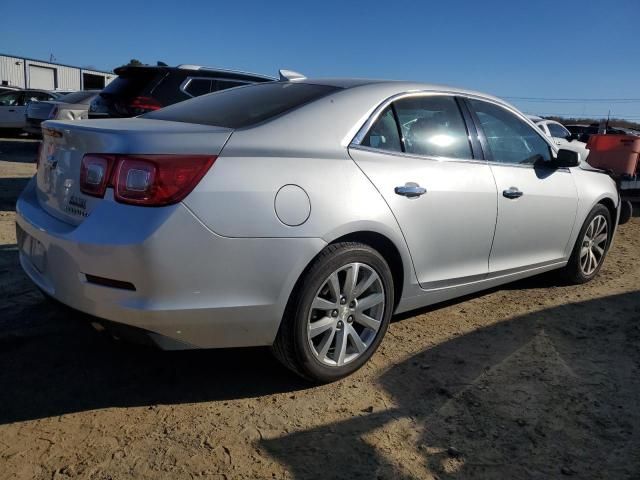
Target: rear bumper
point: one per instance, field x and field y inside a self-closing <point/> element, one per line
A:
<point x="193" y="288"/>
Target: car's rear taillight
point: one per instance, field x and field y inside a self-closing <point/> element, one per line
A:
<point x="144" y="104"/>
<point x="95" y="172"/>
<point x="53" y="113"/>
<point x="150" y="180"/>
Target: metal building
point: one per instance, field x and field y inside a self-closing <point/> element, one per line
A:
<point x="29" y="73"/>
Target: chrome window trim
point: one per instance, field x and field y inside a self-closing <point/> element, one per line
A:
<point x="433" y="158"/>
<point x="430" y="158"/>
<point x="185" y="84"/>
<point x="362" y="131"/>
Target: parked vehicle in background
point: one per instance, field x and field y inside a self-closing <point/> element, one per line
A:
<point x="140" y="89"/>
<point x="581" y="132"/>
<point x="303" y="213"/>
<point x="8" y="88"/>
<point x="72" y="106"/>
<point x="561" y="136"/>
<point x="13" y="106"/>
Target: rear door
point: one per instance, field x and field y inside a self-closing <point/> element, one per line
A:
<point x="419" y="156"/>
<point x="536" y="203"/>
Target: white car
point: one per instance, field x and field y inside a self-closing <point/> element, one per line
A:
<point x="560" y="135"/>
<point x="13" y="106"/>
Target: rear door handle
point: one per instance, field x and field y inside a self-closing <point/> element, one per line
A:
<point x="11" y="110"/>
<point x="410" y="190"/>
<point x="512" y="193"/>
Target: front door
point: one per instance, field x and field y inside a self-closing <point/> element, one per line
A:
<point x="12" y="110"/>
<point x="536" y="203"/>
<point x="418" y="156"/>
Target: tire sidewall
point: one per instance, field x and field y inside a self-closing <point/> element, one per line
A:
<point x="312" y="282"/>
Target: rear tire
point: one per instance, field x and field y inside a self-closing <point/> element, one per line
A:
<point x="591" y="247"/>
<point x="338" y="313"/>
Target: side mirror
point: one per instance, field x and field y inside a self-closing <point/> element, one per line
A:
<point x="566" y="159"/>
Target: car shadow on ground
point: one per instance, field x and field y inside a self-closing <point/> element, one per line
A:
<point x="18" y="150"/>
<point x="54" y="362"/>
<point x="10" y="189"/>
<point x="547" y="394"/>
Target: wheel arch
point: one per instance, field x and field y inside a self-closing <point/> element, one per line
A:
<point x="389" y="251"/>
<point x="611" y="206"/>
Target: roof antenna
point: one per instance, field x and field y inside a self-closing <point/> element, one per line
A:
<point x="290" y="75"/>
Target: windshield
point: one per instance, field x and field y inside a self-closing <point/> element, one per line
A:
<point x="243" y="106"/>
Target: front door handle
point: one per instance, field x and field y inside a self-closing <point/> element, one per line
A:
<point x="410" y="190"/>
<point x="512" y="193"/>
<point x="11" y="110"/>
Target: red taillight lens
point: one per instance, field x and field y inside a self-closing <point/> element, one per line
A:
<point x="151" y="180"/>
<point x="146" y="104"/>
<point x="94" y="174"/>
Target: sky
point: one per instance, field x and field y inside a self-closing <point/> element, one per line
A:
<point x="587" y="52"/>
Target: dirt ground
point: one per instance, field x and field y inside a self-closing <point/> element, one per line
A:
<point x="533" y="380"/>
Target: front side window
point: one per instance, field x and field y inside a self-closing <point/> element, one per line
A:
<point x="11" y="99"/>
<point x="509" y="138"/>
<point x="433" y="126"/>
<point x="558" y="131"/>
<point x="384" y="133"/>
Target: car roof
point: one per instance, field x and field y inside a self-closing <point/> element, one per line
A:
<point x="400" y="86"/>
<point x="188" y="67"/>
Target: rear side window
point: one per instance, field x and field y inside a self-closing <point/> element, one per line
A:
<point x="224" y="84"/>
<point x="510" y="139"/>
<point x="198" y="86"/>
<point x="384" y="133"/>
<point x="245" y="106"/>
<point x="433" y="126"/>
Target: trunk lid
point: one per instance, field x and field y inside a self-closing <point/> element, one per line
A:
<point x="65" y="143"/>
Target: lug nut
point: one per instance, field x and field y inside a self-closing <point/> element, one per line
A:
<point x="350" y="319"/>
<point x="343" y="300"/>
<point x="334" y="313"/>
<point x="340" y="324"/>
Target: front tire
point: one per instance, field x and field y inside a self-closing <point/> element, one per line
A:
<point x="591" y="246"/>
<point x="338" y="314"/>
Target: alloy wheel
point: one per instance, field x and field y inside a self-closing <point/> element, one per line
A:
<point x="346" y="314"/>
<point x="594" y="245"/>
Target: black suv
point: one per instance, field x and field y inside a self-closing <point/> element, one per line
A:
<point x="141" y="89"/>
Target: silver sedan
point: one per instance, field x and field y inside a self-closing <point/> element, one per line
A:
<point x="302" y="214"/>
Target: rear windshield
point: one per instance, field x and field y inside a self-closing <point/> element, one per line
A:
<point x="132" y="83"/>
<point x="243" y="106"/>
<point x="77" y="97"/>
